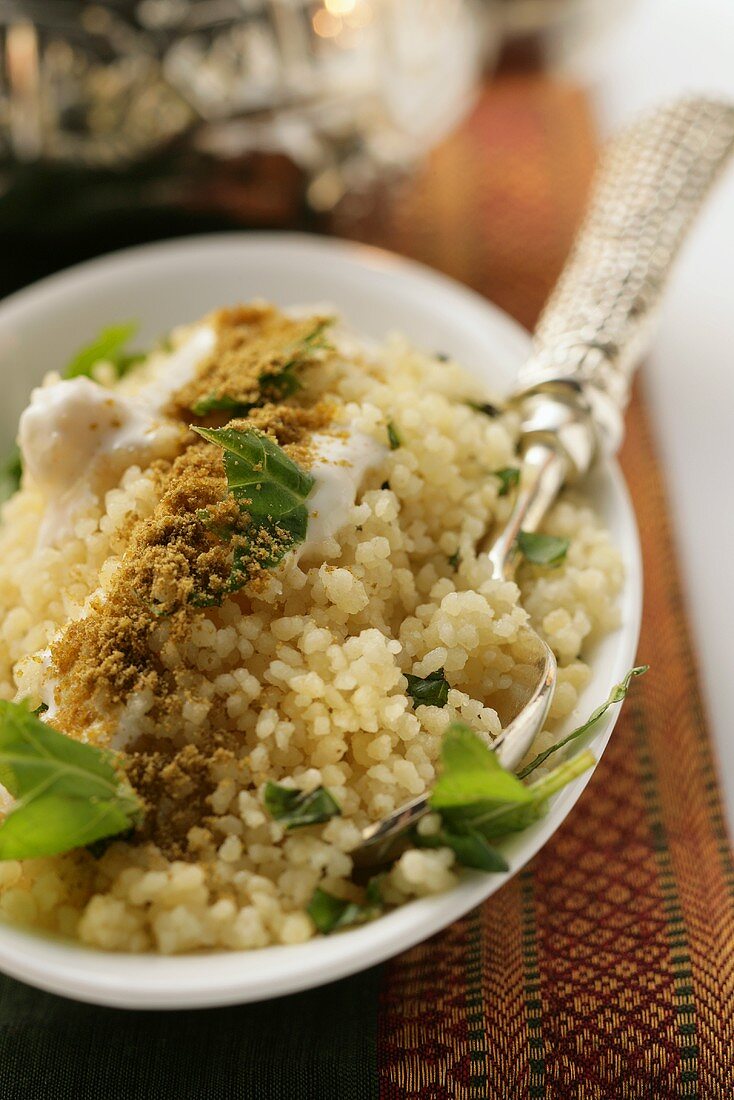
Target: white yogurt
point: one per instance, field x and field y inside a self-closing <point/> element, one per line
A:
<point x="339" y="470"/>
<point x="76" y="437"/>
<point x="178" y="367"/>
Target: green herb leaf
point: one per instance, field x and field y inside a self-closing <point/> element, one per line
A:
<point x="616" y="695"/>
<point x="479" y="800"/>
<point x="471" y="773"/>
<point x="297" y="355"/>
<point x="266" y="482"/>
<point x="274" y="384"/>
<point x="509" y="476"/>
<point x="470" y="847"/>
<point x="298" y="808"/>
<point x="125" y="363"/>
<point x="484" y="407"/>
<point x="68" y="794"/>
<point x="542" y="549"/>
<point x="108" y="345"/>
<point x="428" y="691"/>
<point x="393" y="437"/>
<point x="374" y="890"/>
<point x="455" y="560"/>
<point x="499" y="821"/>
<point x="329" y="913"/>
<point x="213" y="403"/>
<point x="11" y="472"/>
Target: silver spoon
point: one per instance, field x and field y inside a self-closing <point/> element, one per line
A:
<point x="591" y="336"/>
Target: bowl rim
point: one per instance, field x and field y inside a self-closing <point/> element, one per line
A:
<point x="204" y="979"/>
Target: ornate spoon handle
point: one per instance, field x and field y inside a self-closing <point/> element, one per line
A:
<point x="597" y="322"/>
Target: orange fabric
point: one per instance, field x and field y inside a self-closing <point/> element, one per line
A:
<point x="605" y="969"/>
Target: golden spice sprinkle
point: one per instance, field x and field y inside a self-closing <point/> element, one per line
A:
<point x="172" y="555"/>
<point x="178" y="562"/>
<point x="255" y="346"/>
<point x="175" y="787"/>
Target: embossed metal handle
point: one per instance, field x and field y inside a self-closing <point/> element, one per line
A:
<point x="597" y="322"/>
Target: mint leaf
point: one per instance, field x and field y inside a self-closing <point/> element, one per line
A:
<point x="497" y="821"/>
<point x="393" y="436"/>
<point x="479" y="801"/>
<point x="297" y="355"/>
<point x="213" y="403"/>
<point x="484" y="407"/>
<point x="509" y="476"/>
<point x="265" y="481"/>
<point x="11" y="472"/>
<point x="275" y="384"/>
<point x="330" y="913"/>
<point x="472" y="774"/>
<point x="68" y="794"/>
<point x="470" y="847"/>
<point x="428" y="691"/>
<point x="542" y="549"/>
<point x="108" y="345"/>
<point x="373" y="890"/>
<point x="616" y="695"/>
<point x="298" y="808"/>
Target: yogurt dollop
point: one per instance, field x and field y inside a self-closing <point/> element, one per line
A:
<point x="77" y="437"/>
<point x="339" y="470"/>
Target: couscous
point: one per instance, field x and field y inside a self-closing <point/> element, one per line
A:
<point x="247" y="566"/>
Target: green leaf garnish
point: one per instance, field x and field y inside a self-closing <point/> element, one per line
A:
<point x="297" y="355"/>
<point x="471" y="773"/>
<point x="484" y="407"/>
<point x="501" y="820"/>
<point x="479" y="800"/>
<point x="213" y="403"/>
<point x="428" y="691"/>
<point x="11" y="472"/>
<point x="509" y="476"/>
<point x="455" y="560"/>
<point x="265" y="481"/>
<point x="393" y="437"/>
<point x="68" y="794"/>
<point x="108" y="345"/>
<point x="330" y="913"/>
<point x="275" y="385"/>
<point x="616" y="695"/>
<point x="542" y="549"/>
<point x="373" y="890"/>
<point x="470" y="848"/>
<point x="298" y="808"/>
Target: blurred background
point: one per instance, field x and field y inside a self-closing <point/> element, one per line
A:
<point x="151" y="117"/>
<point x="462" y="132"/>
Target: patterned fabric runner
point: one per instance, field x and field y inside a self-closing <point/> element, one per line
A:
<point x="606" y="968"/>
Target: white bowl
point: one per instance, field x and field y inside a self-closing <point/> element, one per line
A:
<point x="163" y="285"/>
